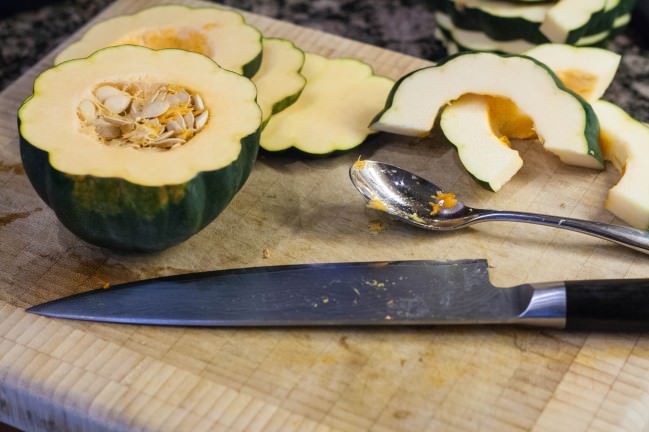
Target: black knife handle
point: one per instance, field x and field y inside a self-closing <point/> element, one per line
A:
<point x="607" y="305"/>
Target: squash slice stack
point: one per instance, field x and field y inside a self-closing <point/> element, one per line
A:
<point x="510" y="26"/>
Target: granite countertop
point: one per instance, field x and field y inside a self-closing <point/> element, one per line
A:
<point x="401" y="25"/>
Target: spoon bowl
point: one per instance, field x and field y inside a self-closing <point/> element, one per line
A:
<point x="419" y="202"/>
<point x="404" y="195"/>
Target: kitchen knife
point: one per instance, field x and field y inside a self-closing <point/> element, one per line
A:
<point x="359" y="294"/>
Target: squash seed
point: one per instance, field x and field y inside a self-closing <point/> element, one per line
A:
<point x="143" y="116"/>
<point x="189" y="120"/>
<point x="163" y="136"/>
<point x="173" y="100"/>
<point x="201" y="120"/>
<point x="181" y="121"/>
<point x="118" y="121"/>
<point x="106" y="91"/>
<point x="168" y="142"/>
<point x="183" y="97"/>
<point x="155" y="109"/>
<point x="87" y="110"/>
<point x="160" y="95"/>
<point x="117" y="103"/>
<point x="173" y="126"/>
<point x="198" y="103"/>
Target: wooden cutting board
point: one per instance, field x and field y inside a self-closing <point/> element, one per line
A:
<point x="66" y="375"/>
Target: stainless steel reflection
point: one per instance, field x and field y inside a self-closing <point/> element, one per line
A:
<point x="406" y="196"/>
<point x="547" y="307"/>
<point x="348" y="294"/>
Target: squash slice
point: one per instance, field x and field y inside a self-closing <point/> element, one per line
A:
<point x="625" y="142"/>
<point x="109" y="170"/>
<point x="332" y="113"/>
<point x="569" y="129"/>
<point x="568" y="20"/>
<point x="586" y="71"/>
<point x="279" y="81"/>
<point x="218" y="33"/>
<point x="485" y="155"/>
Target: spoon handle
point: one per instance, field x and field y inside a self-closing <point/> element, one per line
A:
<point x="629" y="237"/>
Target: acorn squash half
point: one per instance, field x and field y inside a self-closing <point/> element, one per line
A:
<point x="218" y="33"/>
<point x="148" y="184"/>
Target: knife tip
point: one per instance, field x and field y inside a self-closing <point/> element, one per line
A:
<point x="36" y="309"/>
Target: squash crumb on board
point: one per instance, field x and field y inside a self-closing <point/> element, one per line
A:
<point x="265" y="254"/>
<point x="359" y="164"/>
<point x="401" y="414"/>
<point x="376" y="226"/>
<point x="105" y="284"/>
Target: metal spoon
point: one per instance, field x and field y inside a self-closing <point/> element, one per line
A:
<point x="408" y="197"/>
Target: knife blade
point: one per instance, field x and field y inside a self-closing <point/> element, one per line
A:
<point x="360" y="294"/>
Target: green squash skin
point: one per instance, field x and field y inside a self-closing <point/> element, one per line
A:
<point x="282" y="105"/>
<point x="596" y="21"/>
<point x="296" y="153"/>
<point x="627" y="7"/>
<point x="604" y="21"/>
<point x="117" y="214"/>
<point x="285" y="103"/>
<point x="251" y="68"/>
<point x="483" y="184"/>
<point x="461" y="48"/>
<point x="591" y="131"/>
<point x="607" y="19"/>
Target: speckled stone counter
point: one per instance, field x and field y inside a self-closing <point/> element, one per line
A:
<point x="400" y="25"/>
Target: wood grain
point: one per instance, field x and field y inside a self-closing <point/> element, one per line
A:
<point x="65" y="375"/>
